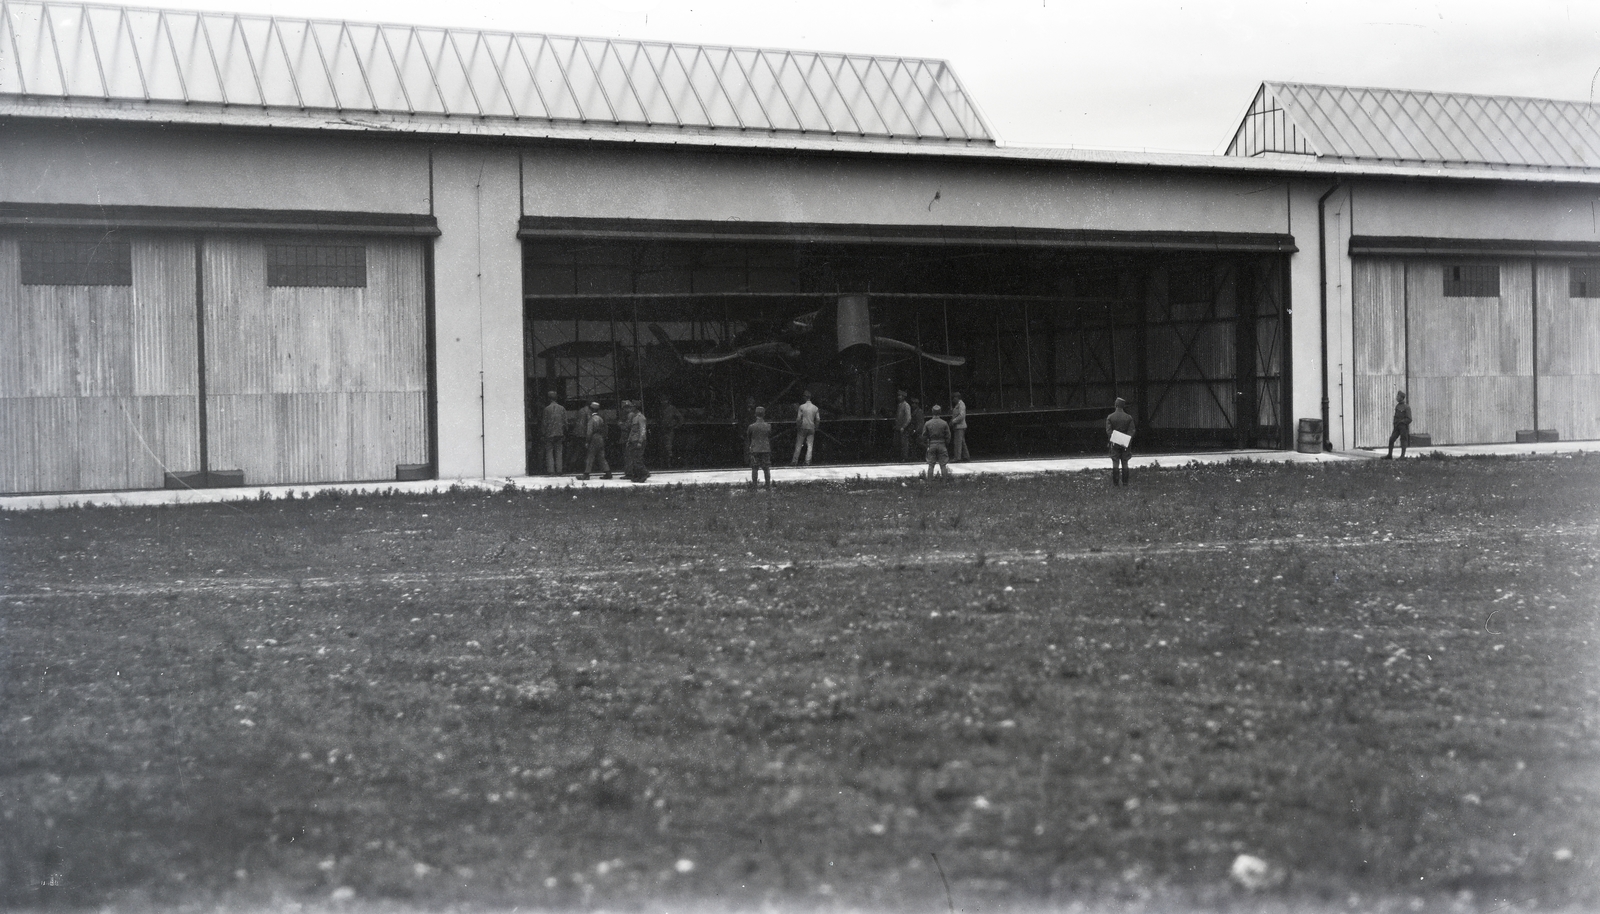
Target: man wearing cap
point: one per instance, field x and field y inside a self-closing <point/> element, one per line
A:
<point x="936" y="437"/>
<point x="1119" y="422"/>
<point x="1401" y="430"/>
<point x="554" y="429"/>
<point x="594" y="436"/>
<point x="758" y="447"/>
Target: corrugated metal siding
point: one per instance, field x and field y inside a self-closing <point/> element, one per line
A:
<point x="342" y="436"/>
<point x="1380" y="345"/>
<point x="200" y="60"/>
<point x="1471" y="359"/>
<point x="1191" y="405"/>
<point x="315" y="384"/>
<point x="164" y="328"/>
<point x="98" y="383"/>
<point x="1569" y="356"/>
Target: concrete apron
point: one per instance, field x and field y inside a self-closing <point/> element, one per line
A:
<point x="781" y="474"/>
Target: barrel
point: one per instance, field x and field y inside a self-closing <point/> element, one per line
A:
<point x="1310" y="437"/>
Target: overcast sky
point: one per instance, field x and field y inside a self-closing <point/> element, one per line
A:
<point x="1156" y="74"/>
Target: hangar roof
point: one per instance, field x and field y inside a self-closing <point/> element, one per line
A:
<point x="1394" y="126"/>
<point x="82" y="62"/>
<point x="115" y="56"/>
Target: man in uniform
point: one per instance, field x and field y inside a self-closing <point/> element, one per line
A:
<point x="902" y="424"/>
<point x="579" y="437"/>
<point x="918" y="419"/>
<point x="1119" y="421"/>
<point x="594" y="436"/>
<point x="633" y="464"/>
<point x="554" y="429"/>
<point x="936" y="435"/>
<point x="958" y="430"/>
<point x="758" y="447"/>
<point x="805" y="430"/>
<point x="1402" y="426"/>
<point x="671" y="418"/>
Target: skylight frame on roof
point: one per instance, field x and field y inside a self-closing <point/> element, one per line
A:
<point x="197" y="60"/>
<point x="1402" y="127"/>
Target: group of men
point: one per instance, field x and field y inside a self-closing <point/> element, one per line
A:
<point x="942" y="441"/>
<point x="910" y="425"/>
<point x="935" y="434"/>
<point x="592" y="430"/>
<point x="758" y="439"/>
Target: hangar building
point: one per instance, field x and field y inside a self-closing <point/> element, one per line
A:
<point x="253" y="249"/>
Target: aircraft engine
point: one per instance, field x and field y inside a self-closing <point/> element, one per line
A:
<point x="856" y="349"/>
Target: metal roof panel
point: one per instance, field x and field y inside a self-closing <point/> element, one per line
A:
<point x="85" y="52"/>
<point x="1400" y="126"/>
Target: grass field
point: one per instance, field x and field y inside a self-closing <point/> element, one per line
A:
<point x="1000" y="694"/>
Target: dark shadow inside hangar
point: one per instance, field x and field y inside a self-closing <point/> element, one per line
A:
<point x="1039" y="335"/>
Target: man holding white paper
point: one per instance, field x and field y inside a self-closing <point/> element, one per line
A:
<point x="1119" y="427"/>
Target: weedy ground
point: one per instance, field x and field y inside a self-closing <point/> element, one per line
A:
<point x="1379" y="678"/>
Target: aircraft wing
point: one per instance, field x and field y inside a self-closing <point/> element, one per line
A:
<point x="954" y="361"/>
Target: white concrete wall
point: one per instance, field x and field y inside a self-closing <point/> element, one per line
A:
<point x="1305" y="344"/>
<point x="478" y="308"/>
<point x="1341" y="321"/>
<point x="735" y="187"/>
<point x="1475" y="210"/>
<point x="147" y="166"/>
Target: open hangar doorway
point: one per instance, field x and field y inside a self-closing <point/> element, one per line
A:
<point x="1039" y="338"/>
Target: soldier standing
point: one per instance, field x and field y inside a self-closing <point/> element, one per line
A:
<point x="1119" y="422"/>
<point x="671" y="418"/>
<point x="554" y="429"/>
<point x="958" y="430"/>
<point x="936" y="435"/>
<point x="633" y="463"/>
<point x="918" y="420"/>
<point x="758" y="447"/>
<point x="805" y="430"/>
<point x="594" y="436"/>
<point x="902" y="424"/>
<point x="579" y="435"/>
<point x="1402" y="426"/>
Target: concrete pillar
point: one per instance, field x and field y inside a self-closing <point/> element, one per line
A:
<point x="478" y="308"/>
<point x="1305" y="291"/>
<point x="1305" y="342"/>
<point x="1341" y="322"/>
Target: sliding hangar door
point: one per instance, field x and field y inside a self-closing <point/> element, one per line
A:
<point x="1487" y="349"/>
<point x="1039" y="338"/>
<point x="135" y="359"/>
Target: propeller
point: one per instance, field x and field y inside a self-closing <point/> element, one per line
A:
<point x="954" y="361"/>
<point x="775" y="346"/>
